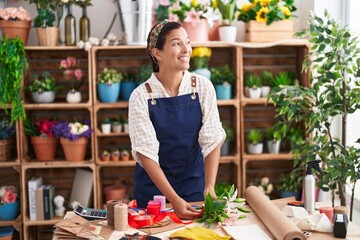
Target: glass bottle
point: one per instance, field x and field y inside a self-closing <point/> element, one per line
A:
<point x="70" y="28"/>
<point x="84" y="25"/>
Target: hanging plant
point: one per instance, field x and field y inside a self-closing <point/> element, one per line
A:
<point x="13" y="64"/>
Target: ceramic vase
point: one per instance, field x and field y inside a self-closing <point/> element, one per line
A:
<point x="227" y="33"/>
<point x="198" y="31"/>
<point x="203" y="72"/>
<point x="43" y="97"/>
<point x="73" y="96"/>
<point x="9" y="211"/>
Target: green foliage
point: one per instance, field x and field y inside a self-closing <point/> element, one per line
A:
<point x="291" y="182"/>
<point x="144" y="74"/>
<point x="221" y="75"/>
<point x="106" y="121"/>
<point x="109" y="76"/>
<point x="129" y="77"/>
<point x="283" y="79"/>
<point x="227" y="11"/>
<point x="267" y="78"/>
<point x="252" y="80"/>
<point x="272" y="134"/>
<point x="254" y="136"/>
<point x="7" y="129"/>
<point x="334" y="91"/>
<point x="43" y="83"/>
<point x="214" y="211"/>
<point x="229" y="133"/>
<point x="221" y="188"/>
<point x="13" y="65"/>
<point x="45" y="18"/>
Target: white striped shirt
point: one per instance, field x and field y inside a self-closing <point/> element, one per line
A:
<point x="141" y="130"/>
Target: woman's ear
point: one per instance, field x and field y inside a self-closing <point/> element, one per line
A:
<point x="155" y="53"/>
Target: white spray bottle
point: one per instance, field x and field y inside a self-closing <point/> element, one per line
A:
<point x="309" y="186"/>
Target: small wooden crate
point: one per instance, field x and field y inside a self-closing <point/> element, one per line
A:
<point x="260" y="32"/>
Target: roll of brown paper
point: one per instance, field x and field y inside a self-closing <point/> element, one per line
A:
<point x="278" y="224"/>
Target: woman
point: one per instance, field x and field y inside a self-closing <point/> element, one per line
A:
<point x="173" y="125"/>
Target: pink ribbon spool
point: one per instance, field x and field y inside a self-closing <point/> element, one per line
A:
<point x="153" y="208"/>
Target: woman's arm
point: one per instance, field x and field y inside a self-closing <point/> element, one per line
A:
<point x="211" y="169"/>
<point x="181" y="208"/>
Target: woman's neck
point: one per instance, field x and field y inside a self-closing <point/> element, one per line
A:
<point x="171" y="81"/>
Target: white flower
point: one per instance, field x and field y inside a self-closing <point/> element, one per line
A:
<point x="265" y="181"/>
<point x="80" y="44"/>
<point x="269" y="188"/>
<point x="94" y="41"/>
<point x="64" y="1"/>
<point x="87" y="46"/>
<point x="105" y="42"/>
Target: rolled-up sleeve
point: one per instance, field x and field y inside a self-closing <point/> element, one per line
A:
<point x="141" y="131"/>
<point x="211" y="134"/>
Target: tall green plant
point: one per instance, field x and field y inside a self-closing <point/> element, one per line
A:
<point x="335" y="89"/>
<point x="13" y="64"/>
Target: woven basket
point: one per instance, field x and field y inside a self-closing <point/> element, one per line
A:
<point x="5" y="150"/>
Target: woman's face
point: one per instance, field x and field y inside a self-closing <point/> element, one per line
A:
<point x="176" y="51"/>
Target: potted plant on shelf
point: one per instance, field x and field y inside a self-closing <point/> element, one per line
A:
<point x="254" y="141"/>
<point x="291" y="184"/>
<point x="108" y="85"/>
<point x="42" y="138"/>
<point x="124" y="122"/>
<point x="116" y="126"/>
<point x="115" y="155"/>
<point x="15" y="22"/>
<point x="283" y="79"/>
<point x="334" y="91"/>
<point x="267" y="21"/>
<point x="222" y="78"/>
<point x="125" y="155"/>
<point x="47" y="33"/>
<point x="200" y="56"/>
<point x="13" y="65"/>
<point x="144" y="73"/>
<point x="73" y="138"/>
<point x="267" y="81"/>
<point x="9" y="203"/>
<point x="225" y="148"/>
<point x="74" y="74"/>
<point x="273" y="140"/>
<point x="128" y="84"/>
<point x="43" y="88"/>
<point x="106" y="125"/>
<point x="227" y="9"/>
<point x="105" y="156"/>
<point x="7" y="132"/>
<point x="252" y="85"/>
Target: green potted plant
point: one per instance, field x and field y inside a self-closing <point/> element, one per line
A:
<point x="106" y="125"/>
<point x="222" y="78"/>
<point x="273" y="140"/>
<point x="291" y="184"/>
<point x="283" y="79"/>
<point x="124" y="122"/>
<point x="7" y="132"/>
<point x="252" y="85"/>
<point x="116" y="126"/>
<point x="225" y="148"/>
<point x="200" y="57"/>
<point x="125" y="155"/>
<point x="144" y="73"/>
<point x="254" y="141"/>
<point x="47" y="33"/>
<point x="267" y="81"/>
<point x="128" y="84"/>
<point x="334" y="91"/>
<point x="108" y="85"/>
<point x="105" y="156"/>
<point x="13" y="65"/>
<point x="115" y="155"/>
<point x="227" y="10"/>
<point x="43" y="88"/>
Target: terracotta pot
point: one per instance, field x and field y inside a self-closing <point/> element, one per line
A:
<point x="115" y="192"/>
<point x="45" y="148"/>
<point x="13" y="29"/>
<point x="74" y="150"/>
<point x="47" y="36"/>
<point x="198" y="31"/>
<point x="105" y="158"/>
<point x="115" y="158"/>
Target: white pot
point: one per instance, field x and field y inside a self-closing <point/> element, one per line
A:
<point x="116" y="128"/>
<point x="255" y="92"/>
<point x="227" y="33"/>
<point x="265" y="90"/>
<point x="126" y="127"/>
<point x="255" y="148"/>
<point x="106" y="128"/>
<point x="43" y="97"/>
<point x="73" y="96"/>
<point x="273" y="146"/>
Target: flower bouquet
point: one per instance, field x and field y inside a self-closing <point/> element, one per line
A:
<point x="15" y="22"/>
<point x="42" y="138"/>
<point x="74" y="74"/>
<point x="200" y="57"/>
<point x="73" y="138"/>
<point x="9" y="204"/>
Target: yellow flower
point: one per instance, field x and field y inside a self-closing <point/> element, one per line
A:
<point x="194" y="3"/>
<point x="264" y="3"/>
<point x="246" y="7"/>
<point x="285" y="11"/>
<point x="261" y="14"/>
<point x="214" y="4"/>
<point x="201" y="52"/>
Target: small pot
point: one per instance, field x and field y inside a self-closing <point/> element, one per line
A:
<point x="106" y="128"/>
<point x="115" y="192"/>
<point x="255" y="148"/>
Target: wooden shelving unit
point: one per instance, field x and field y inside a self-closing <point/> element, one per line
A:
<point x="239" y="112"/>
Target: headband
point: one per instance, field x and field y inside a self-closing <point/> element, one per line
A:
<point x="154" y="34"/>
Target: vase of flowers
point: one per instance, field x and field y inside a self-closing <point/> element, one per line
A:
<point x="267" y="20"/>
<point x="15" y="22"/>
<point x="227" y="9"/>
<point x="43" y="88"/>
<point x="200" y="57"/>
<point x="192" y="15"/>
<point x="74" y="74"/>
<point x="9" y="203"/>
<point x="42" y="138"/>
<point x="74" y="137"/>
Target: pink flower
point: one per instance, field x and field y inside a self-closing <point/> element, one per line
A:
<point x="9" y="197"/>
<point x="8" y="194"/>
<point x="14" y="14"/>
<point x="164" y="2"/>
<point x="192" y="16"/>
<point x="78" y="74"/>
<point x="173" y="17"/>
<point x="75" y="75"/>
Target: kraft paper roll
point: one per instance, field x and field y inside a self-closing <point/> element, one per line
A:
<point x="121" y="217"/>
<point x="110" y="211"/>
<point x="278" y="224"/>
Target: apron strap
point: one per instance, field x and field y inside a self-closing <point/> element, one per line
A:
<point x="148" y="89"/>
<point x="193" y="87"/>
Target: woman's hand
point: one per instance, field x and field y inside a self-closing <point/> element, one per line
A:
<point x="211" y="191"/>
<point x="184" y="210"/>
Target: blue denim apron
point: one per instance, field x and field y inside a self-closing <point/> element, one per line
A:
<point x="177" y="122"/>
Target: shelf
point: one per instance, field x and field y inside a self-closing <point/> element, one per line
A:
<point x="112" y="134"/>
<point x="229" y="159"/>
<point x="231" y="102"/>
<point x="58" y="164"/>
<point x="254" y="101"/>
<point x="267" y="156"/>
<point x="130" y="163"/>
<point x="65" y="105"/>
<point x="122" y="104"/>
<point x="11" y="223"/>
<point x="53" y="221"/>
<point x="8" y="164"/>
